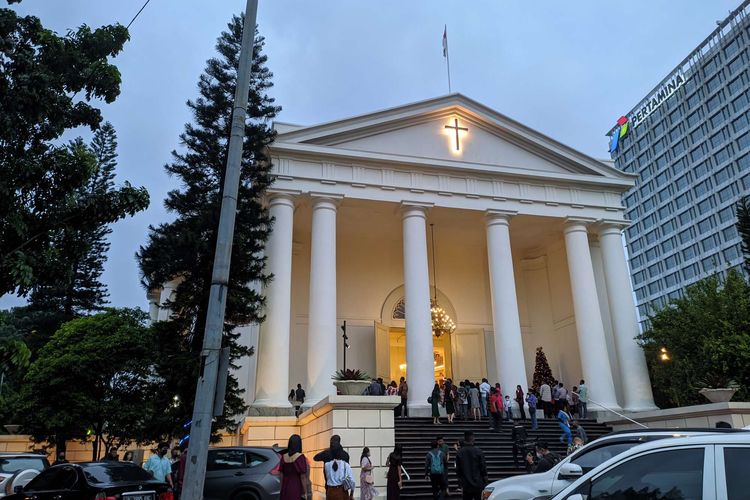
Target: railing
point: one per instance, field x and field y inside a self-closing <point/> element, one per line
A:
<point x="589" y="400"/>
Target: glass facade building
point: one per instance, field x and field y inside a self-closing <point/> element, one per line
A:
<point x="690" y="146"/>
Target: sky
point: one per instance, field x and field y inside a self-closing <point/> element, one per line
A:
<point x="566" y="69"/>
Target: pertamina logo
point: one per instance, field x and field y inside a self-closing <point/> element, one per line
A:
<point x="623" y="127"/>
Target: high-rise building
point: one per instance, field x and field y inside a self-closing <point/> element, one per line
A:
<point x="689" y="142"/>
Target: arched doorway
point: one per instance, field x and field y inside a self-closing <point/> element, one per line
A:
<point x="390" y="339"/>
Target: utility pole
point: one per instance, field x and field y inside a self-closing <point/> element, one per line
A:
<point x="205" y="393"/>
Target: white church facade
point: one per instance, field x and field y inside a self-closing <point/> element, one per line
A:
<point x="527" y="249"/>
<point x="528" y="253"/>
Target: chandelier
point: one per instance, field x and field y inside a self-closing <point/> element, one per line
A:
<point x="442" y="323"/>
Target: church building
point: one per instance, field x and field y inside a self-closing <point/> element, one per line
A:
<point x="444" y="203"/>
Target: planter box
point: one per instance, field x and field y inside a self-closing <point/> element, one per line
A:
<point x="351" y="387"/>
<point x="718" y="395"/>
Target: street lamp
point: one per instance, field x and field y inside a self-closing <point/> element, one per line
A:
<point x="346" y="344"/>
<point x="664" y="355"/>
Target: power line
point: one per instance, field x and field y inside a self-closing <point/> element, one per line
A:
<point x="137" y="14"/>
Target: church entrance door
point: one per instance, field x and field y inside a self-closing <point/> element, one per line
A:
<point x="390" y="354"/>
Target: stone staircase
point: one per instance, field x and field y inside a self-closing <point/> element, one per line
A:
<point x="416" y="433"/>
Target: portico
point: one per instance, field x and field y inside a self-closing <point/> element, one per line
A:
<point x="528" y="253"/>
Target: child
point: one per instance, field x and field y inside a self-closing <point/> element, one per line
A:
<point x="508" y="408"/>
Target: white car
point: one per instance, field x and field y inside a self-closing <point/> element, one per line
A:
<point x="544" y="485"/>
<point x="17" y="469"/>
<point x="705" y="467"/>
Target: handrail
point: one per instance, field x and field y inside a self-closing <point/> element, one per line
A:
<point x="589" y="400"/>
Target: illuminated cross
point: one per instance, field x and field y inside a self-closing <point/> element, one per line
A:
<point x="457" y="128"/>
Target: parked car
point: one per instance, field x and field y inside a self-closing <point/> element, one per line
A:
<point x="92" y="481"/>
<point x="709" y="466"/>
<point x="243" y="473"/>
<point x="17" y="469"/>
<point x="546" y="484"/>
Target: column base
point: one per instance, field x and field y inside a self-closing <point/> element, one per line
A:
<point x="270" y="408"/>
<point x="419" y="409"/>
<point x="641" y="408"/>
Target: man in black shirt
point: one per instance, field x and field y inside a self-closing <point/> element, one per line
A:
<point x="471" y="469"/>
<point x="299" y="395"/>
<point x="325" y="455"/>
<point x="545" y="459"/>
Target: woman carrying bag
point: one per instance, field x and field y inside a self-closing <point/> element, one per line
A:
<point x="367" y="489"/>
<point x="339" y="476"/>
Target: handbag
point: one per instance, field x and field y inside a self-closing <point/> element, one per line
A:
<point x="429" y="400"/>
<point x="368" y="478"/>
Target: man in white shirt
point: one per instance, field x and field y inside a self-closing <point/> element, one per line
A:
<point x="562" y="397"/>
<point x="484" y="392"/>
<point x="545" y="394"/>
<point x="583" y="399"/>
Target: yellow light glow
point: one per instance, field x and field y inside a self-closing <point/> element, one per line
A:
<point x="456" y="132"/>
<point x="402" y="367"/>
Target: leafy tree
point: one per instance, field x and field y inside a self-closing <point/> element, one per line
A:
<point x="706" y="334"/>
<point x="743" y="228"/>
<point x="94" y="378"/>
<point x="542" y="371"/>
<point x="182" y="251"/>
<point x="47" y="85"/>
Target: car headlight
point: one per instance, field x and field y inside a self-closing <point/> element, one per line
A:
<point x="487" y="492"/>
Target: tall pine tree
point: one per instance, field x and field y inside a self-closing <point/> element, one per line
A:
<point x="71" y="285"/>
<point x="182" y="251"/>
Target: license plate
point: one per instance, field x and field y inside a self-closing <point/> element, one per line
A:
<point x="139" y="495"/>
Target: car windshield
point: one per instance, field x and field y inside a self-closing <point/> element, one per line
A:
<point x="112" y="472"/>
<point x="598" y="455"/>
<point x="14" y="464"/>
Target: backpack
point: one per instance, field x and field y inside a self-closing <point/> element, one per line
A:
<point x="436" y="462"/>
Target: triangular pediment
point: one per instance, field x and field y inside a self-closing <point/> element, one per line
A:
<point x="423" y="131"/>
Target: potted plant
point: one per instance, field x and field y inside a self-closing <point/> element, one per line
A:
<point x="718" y="388"/>
<point x="351" y="382"/>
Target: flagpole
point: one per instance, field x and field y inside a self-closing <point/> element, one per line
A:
<point x="447" y="58"/>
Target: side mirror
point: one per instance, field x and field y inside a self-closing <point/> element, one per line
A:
<point x="570" y="471"/>
<point x="17" y="489"/>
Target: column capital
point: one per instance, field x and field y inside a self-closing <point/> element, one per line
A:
<point x="503" y="217"/>
<point x="414" y="209"/>
<point x="282" y="197"/>
<point x="326" y="200"/>
<point x="611" y="226"/>
<point x="573" y="224"/>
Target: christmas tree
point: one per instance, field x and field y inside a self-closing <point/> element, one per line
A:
<point x="542" y="371"/>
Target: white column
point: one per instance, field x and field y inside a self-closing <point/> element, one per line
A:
<point x="272" y="382"/>
<point x="322" y="328"/>
<point x="420" y="371"/>
<point x="636" y="386"/>
<point x="592" y="345"/>
<point x="509" y="359"/>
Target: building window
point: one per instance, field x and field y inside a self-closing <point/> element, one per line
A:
<point x="736" y="65"/>
<point x="740" y="123"/>
<point x="652" y="254"/>
<point x="744" y="162"/>
<point x="653" y="288"/>
<point x="736" y="85"/>
<point x="668" y="227"/>
<point x="729" y="233"/>
<point x="662" y="178"/>
<point x="675" y="117"/>
<point x="639" y="276"/>
<point x="659" y="129"/>
<point x="668" y="245"/>
<point x="685" y="217"/>
<point x="698" y="153"/>
<point x="731" y="253"/>
<point x="682" y="182"/>
<point x="654" y="270"/>
<point x="675" y="133"/>
<point x="717" y="139"/>
<point x="671" y="280"/>
<point x="659" y="145"/>
<point x="714" y="83"/>
<point x="711" y="65"/>
<point x="727" y="193"/>
<point x="705" y="205"/>
<point x="651" y="237"/>
<point x="702" y="188"/>
<point x="665" y="194"/>
<point x="724" y="175"/>
<point x="640" y="293"/>
<point x="694" y="118"/>
<point x="664" y="212"/>
<point x="682" y="200"/>
<point x="745" y="183"/>
<point x="696" y="135"/>
<point x="726" y="214"/>
<point x="700" y="170"/>
<point x="689" y="252"/>
<point x="678" y="148"/>
<point x="715" y="102"/>
<point x="671" y="261"/>
<point x="636" y="262"/>
<point x="690" y="271"/>
<point x="717" y="119"/>
<point x="709" y="263"/>
<point x="686" y="235"/>
<point x="705" y="225"/>
<point x="732" y="48"/>
<point x="723" y="155"/>
<point x="635" y="245"/>
<point x="740" y="102"/>
<point x="744" y="140"/>
<point x="709" y="243"/>
<point x="693" y="101"/>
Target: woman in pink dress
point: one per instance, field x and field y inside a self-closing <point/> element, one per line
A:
<point x="294" y="471"/>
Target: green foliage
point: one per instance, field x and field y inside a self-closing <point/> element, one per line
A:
<point x="707" y="336"/>
<point x="350" y="374"/>
<point x="94" y="376"/>
<point x="182" y="251"/>
<point x="743" y="228"/>
<point x="47" y="84"/>
<point x="542" y="371"/>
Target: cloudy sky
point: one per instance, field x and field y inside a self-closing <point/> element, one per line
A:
<point x="567" y="69"/>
